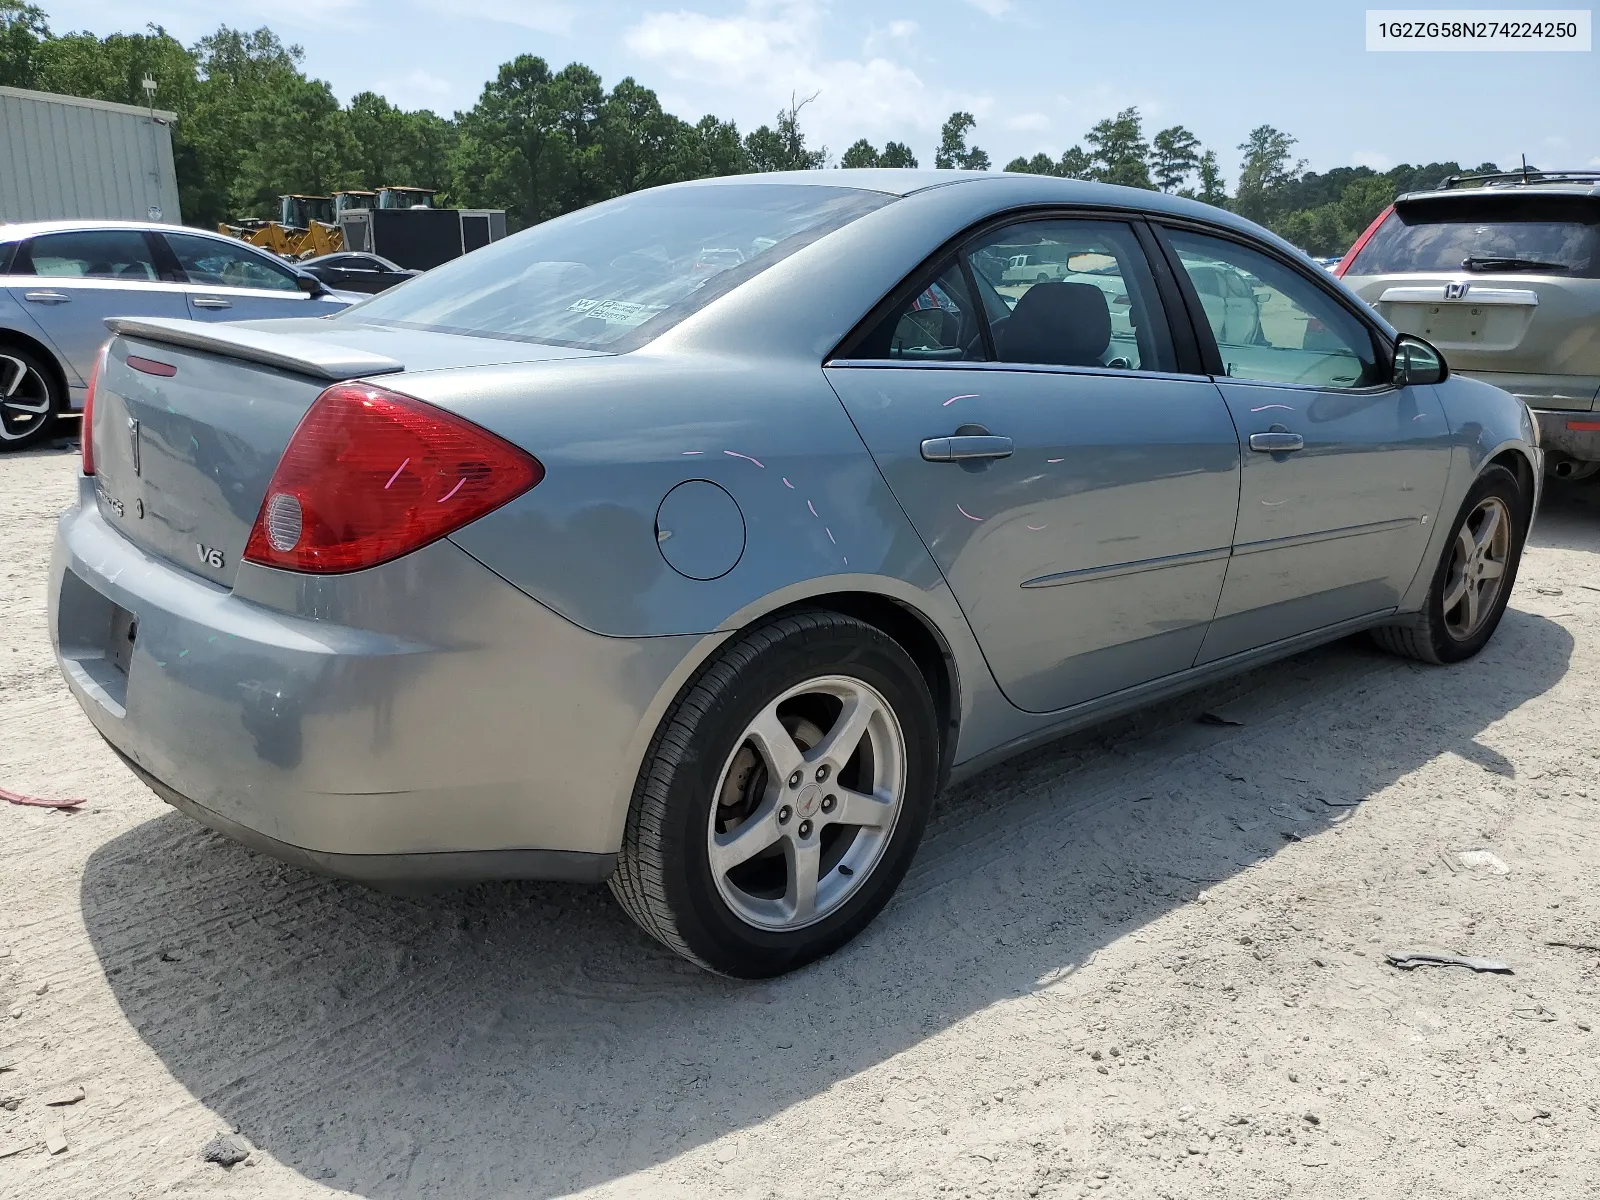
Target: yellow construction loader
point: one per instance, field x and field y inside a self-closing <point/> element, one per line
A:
<point x="305" y="228"/>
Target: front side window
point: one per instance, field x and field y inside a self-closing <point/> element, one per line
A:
<point x="1270" y="323"/>
<point x="90" y="254"/>
<point x="613" y="276"/>
<point x="1072" y="293"/>
<point x="212" y="262"/>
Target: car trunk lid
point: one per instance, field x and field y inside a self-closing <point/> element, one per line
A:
<point x="191" y="420"/>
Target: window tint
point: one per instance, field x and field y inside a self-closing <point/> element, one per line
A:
<point x="93" y="254"/>
<point x="939" y="324"/>
<point x="617" y="274"/>
<point x="215" y="263"/>
<point x="1272" y="324"/>
<point x="1404" y="244"/>
<point x="1072" y="293"/>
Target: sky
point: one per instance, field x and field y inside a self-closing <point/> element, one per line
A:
<point x="1036" y="73"/>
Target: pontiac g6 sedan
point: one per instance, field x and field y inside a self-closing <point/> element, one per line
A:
<point x="594" y="556"/>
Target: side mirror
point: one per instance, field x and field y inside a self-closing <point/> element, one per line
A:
<point x="311" y="285"/>
<point x="1416" y="362"/>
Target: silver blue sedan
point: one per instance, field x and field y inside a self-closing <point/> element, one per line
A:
<point x="60" y="280"/>
<point x="695" y="540"/>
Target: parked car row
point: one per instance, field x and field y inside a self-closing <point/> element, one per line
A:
<point x="61" y="281"/>
<point x="694" y="541"/>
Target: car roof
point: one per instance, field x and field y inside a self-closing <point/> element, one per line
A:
<point x="1010" y="187"/>
<point x="27" y="229"/>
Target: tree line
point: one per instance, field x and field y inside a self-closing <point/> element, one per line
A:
<point x="540" y="142"/>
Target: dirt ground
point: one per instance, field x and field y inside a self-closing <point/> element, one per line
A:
<point x="1147" y="961"/>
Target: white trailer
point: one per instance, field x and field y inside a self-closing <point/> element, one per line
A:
<point x="64" y="156"/>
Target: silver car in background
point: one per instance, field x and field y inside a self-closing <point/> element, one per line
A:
<point x="61" y="280"/>
<point x="592" y="556"/>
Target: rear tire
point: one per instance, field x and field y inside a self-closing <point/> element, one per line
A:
<point x="808" y="749"/>
<point x="30" y="398"/>
<point x="1474" y="577"/>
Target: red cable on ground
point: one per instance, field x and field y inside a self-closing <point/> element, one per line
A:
<point x="37" y="802"/>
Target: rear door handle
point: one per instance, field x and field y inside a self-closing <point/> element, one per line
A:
<point x="212" y="302"/>
<point x="966" y="447"/>
<point x="1277" y="442"/>
<point x="47" y="297"/>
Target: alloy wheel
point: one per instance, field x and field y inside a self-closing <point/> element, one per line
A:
<point x="1477" y="571"/>
<point x="806" y="803"/>
<point x="24" y="400"/>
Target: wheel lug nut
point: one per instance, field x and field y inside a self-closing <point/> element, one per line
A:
<point x="828" y="803"/>
<point x="794" y="780"/>
<point x="805" y="828"/>
<point x="822" y="772"/>
<point x="784" y="814"/>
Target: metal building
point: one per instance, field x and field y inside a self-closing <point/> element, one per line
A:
<point x="64" y="156"/>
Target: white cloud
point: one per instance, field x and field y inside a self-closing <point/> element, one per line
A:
<point x="541" y="16"/>
<point x="410" y="91"/>
<point x="774" y="49"/>
<point x="1372" y="159"/>
<point x="902" y="29"/>
<point x="994" y="8"/>
<point x="1033" y="122"/>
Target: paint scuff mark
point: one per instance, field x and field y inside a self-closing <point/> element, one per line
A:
<point x="746" y="457"/>
<point x="692" y="452"/>
<point x="1265" y="407"/>
<point x="963" y="396"/>
<point x="813" y="509"/>
<point x="966" y="514"/>
<point x="787" y="484"/>
<point x="396" y="475"/>
<point x="829" y="532"/>
<point x="1055" y="460"/>
<point x="1037" y="528"/>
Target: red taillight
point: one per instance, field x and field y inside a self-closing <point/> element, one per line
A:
<point x="1350" y="255"/>
<point x="86" y="425"/>
<point x="370" y="475"/>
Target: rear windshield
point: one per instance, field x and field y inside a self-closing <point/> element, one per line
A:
<point x="1483" y="242"/>
<point x="616" y="275"/>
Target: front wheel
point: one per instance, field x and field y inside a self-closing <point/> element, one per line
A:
<point x="783" y="798"/>
<point x="1473" y="580"/>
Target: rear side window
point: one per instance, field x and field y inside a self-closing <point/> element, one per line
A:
<point x="1061" y="293"/>
<point x="89" y="254"/>
<point x="613" y="276"/>
<point x="1482" y="241"/>
<point x="214" y="263"/>
<point x="1072" y="293"/>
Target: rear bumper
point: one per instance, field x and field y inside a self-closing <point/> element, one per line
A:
<point x="1575" y="434"/>
<point x="449" y="869"/>
<point x="435" y="725"/>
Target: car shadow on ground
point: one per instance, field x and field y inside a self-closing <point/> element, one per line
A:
<point x="528" y="1040"/>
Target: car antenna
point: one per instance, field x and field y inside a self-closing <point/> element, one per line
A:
<point x="1524" y="168"/>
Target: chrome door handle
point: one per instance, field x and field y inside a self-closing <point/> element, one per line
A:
<point x="212" y="302"/>
<point x="966" y="447"/>
<point x="1277" y="442"/>
<point x="47" y="297"/>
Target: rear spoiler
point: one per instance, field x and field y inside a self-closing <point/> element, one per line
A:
<point x="303" y="355"/>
